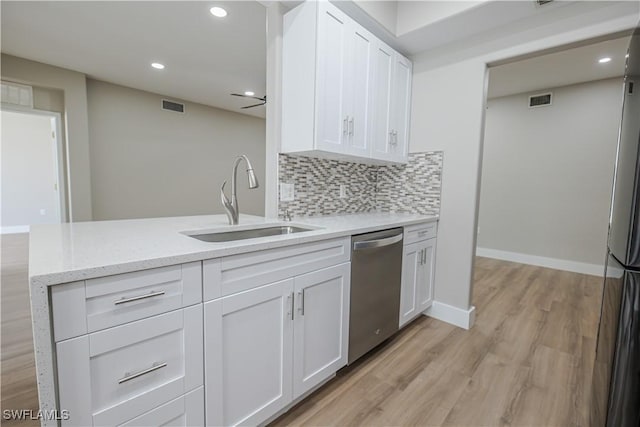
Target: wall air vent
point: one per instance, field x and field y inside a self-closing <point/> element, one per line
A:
<point x="176" y="107"/>
<point x="541" y="100"/>
<point x="17" y="94"/>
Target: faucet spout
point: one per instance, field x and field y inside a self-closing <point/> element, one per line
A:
<point x="231" y="206"/>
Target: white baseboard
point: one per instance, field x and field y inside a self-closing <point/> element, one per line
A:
<point x="453" y="315"/>
<point x="14" y="229"/>
<point x="557" y="264"/>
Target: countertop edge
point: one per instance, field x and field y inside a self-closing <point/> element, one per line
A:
<point x="51" y="279"/>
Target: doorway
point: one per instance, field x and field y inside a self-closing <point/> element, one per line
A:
<point x="32" y="190"/>
<point x="551" y="129"/>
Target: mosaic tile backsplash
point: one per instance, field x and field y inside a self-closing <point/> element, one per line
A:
<point x="414" y="187"/>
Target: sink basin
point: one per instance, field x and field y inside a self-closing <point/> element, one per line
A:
<point x="228" y="236"/>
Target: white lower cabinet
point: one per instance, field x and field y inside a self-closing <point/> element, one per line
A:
<point x="266" y="346"/>
<point x="248" y="345"/>
<point x="321" y="326"/>
<point x="417" y="279"/>
<point x="113" y="376"/>
<point x="185" y="411"/>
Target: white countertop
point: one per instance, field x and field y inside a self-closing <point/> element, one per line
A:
<point x="62" y="253"/>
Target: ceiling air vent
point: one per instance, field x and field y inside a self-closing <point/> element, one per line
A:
<point x="541" y="100"/>
<point x="172" y="106"/>
<point x="543" y="2"/>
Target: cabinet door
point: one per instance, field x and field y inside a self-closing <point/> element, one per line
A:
<point x="321" y="326"/>
<point x="248" y="350"/>
<point x="427" y="270"/>
<point x="411" y="276"/>
<point x="381" y="136"/>
<point x="358" y="88"/>
<point x="400" y="107"/>
<point x="331" y="115"/>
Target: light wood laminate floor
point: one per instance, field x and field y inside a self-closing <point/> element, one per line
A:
<point x="526" y="362"/>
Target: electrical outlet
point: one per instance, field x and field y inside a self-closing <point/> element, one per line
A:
<point x="287" y="192"/>
<point x="343" y="191"/>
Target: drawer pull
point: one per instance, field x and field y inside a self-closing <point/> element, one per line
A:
<point x="422" y="233"/>
<point x="129" y="377"/>
<point x="124" y="300"/>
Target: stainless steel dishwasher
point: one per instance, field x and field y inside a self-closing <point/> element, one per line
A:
<point x="376" y="272"/>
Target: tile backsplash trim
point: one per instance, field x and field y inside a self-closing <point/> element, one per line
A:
<point x="413" y="188"/>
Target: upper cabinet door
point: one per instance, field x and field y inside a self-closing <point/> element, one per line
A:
<point x="332" y="125"/>
<point x="381" y="137"/>
<point x="358" y="90"/>
<point x="400" y="107"/>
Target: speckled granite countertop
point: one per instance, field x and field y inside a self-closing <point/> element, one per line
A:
<point x="62" y="253"/>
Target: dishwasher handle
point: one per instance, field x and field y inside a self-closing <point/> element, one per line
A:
<point x="378" y="243"/>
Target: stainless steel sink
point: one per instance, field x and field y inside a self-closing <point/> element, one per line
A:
<point x="227" y="236"/>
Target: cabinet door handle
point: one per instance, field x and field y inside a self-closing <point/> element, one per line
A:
<point x="424" y="256"/>
<point x="351" y="126"/>
<point x="129" y="377"/>
<point x="395" y="137"/>
<point x="345" y="125"/>
<point x="301" y="308"/>
<point x="390" y="137"/>
<point x="420" y="255"/>
<point x="151" y="294"/>
<point x="290" y="300"/>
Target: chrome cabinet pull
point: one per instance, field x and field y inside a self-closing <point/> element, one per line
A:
<point x="151" y="294"/>
<point x="301" y="308"/>
<point x="351" y="126"/>
<point x="290" y="305"/>
<point x="129" y="377"/>
<point x="345" y="126"/>
<point x="422" y="233"/>
<point x="424" y="256"/>
<point x="420" y="255"/>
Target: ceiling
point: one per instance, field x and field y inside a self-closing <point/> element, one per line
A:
<point x="206" y="58"/>
<point x="571" y="66"/>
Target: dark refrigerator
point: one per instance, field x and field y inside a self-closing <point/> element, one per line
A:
<point x="616" y="373"/>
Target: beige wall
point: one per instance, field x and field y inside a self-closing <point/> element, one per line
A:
<point x="73" y="86"/>
<point x="448" y="114"/>
<point x="146" y="162"/>
<point x="547" y="172"/>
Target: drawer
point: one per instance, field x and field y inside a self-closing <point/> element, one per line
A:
<point x="187" y="410"/>
<point x="232" y="274"/>
<point x="419" y="232"/>
<point x="115" y="375"/>
<point x="96" y="304"/>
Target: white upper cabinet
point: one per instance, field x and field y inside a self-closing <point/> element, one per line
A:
<point x="339" y="89"/>
<point x="391" y="105"/>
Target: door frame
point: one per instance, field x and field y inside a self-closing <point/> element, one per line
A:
<point x="58" y="166"/>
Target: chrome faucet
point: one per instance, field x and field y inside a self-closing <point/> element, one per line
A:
<point x="231" y="207"/>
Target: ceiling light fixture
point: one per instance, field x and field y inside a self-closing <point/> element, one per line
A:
<point x="249" y="93"/>
<point x="627" y="55"/>
<point x="157" y="65"/>
<point x="604" y="60"/>
<point x="218" y="11"/>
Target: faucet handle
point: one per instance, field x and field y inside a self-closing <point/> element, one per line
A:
<point x="287" y="215"/>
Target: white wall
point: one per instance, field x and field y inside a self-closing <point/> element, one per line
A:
<point x="146" y="162"/>
<point x="29" y="171"/>
<point x="447" y="114"/>
<point x="76" y="123"/>
<point x="547" y="172"/>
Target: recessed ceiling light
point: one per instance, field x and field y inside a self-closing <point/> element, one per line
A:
<point x="218" y="11"/>
<point x="249" y="93"/>
<point x="627" y="55"/>
<point x="604" y="60"/>
<point x="157" y="65"/>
